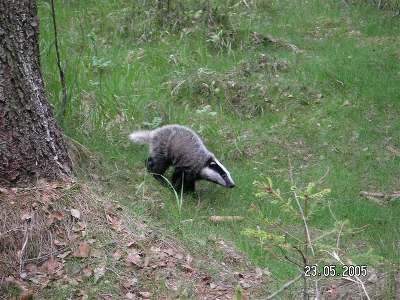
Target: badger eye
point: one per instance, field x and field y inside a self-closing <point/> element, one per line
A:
<point x="213" y="163"/>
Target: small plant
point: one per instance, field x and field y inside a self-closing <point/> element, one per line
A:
<point x="300" y="245"/>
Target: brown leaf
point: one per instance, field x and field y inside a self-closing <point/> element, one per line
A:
<point x="117" y="255"/>
<point x="134" y="258"/>
<point x="25" y="295"/>
<point x="146" y="261"/>
<point x="129" y="282"/>
<point x="82" y="251"/>
<point x="80" y="226"/>
<point x="187" y="268"/>
<point x="59" y="243"/>
<point x="31" y="269"/>
<point x="114" y="222"/>
<point x="393" y="150"/>
<point x="178" y="255"/>
<point x="27" y="216"/>
<point x="55" y="216"/>
<point x="170" y="251"/>
<point x="145" y="295"/>
<point x="87" y="272"/>
<point x="131" y="244"/>
<point x="82" y="295"/>
<point x="75" y="213"/>
<point x="130" y="296"/>
<point x="50" y="266"/>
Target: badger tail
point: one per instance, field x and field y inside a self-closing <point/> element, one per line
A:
<point x="141" y="137"/>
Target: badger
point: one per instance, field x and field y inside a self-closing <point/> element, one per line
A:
<point x="182" y="148"/>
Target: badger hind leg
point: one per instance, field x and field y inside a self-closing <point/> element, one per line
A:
<point x="183" y="179"/>
<point x="157" y="167"/>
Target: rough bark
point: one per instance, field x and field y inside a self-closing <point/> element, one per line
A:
<point x="31" y="144"/>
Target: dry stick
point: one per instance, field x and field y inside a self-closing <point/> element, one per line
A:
<point x="357" y="279"/>
<point x="324" y="176"/>
<point x="284" y="287"/>
<point x="62" y="77"/>
<point x="22" y="252"/>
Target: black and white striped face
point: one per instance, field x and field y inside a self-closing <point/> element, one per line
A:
<point x="215" y="172"/>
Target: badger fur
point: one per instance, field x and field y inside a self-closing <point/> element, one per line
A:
<point x="180" y="147"/>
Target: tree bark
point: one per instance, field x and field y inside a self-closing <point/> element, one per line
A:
<point x="31" y="144"/>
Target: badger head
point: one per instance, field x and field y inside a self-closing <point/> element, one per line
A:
<point x="215" y="172"/>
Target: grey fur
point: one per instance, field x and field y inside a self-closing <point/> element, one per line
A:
<point x="182" y="148"/>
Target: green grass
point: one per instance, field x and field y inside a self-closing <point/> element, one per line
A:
<point x="335" y="107"/>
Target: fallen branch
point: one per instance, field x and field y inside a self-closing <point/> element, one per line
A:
<point x="217" y="219"/>
<point x="284" y="287"/>
<point x="259" y="39"/>
<point x="380" y="197"/>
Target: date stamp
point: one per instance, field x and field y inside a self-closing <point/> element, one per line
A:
<point x="335" y="271"/>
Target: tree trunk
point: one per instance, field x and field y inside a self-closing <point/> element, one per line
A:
<point x="31" y="144"/>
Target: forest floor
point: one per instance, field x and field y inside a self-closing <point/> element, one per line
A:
<point x="300" y="101"/>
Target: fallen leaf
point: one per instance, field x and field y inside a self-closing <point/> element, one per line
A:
<point x="117" y="255"/>
<point x="145" y="295"/>
<point x="82" y="251"/>
<point x="26" y="216"/>
<point x="59" y="243"/>
<point x="114" y="222"/>
<point x="131" y="244"/>
<point x="98" y="273"/>
<point x="189" y="259"/>
<point x="75" y="213"/>
<point x="259" y="273"/>
<point x="129" y="282"/>
<point x="80" y="226"/>
<point x="25" y="295"/>
<point x="82" y="295"/>
<point x="346" y="103"/>
<point x="187" y="268"/>
<point x="50" y="266"/>
<point x="31" y="269"/>
<point x="56" y="216"/>
<point x="393" y="150"/>
<point x="134" y="258"/>
<point x="170" y="251"/>
<point x="87" y="272"/>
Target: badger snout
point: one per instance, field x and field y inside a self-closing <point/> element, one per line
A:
<point x="230" y="185"/>
<point x="215" y="172"/>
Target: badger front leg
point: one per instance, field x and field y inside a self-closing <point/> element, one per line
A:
<point x="157" y="167"/>
<point x="183" y="179"/>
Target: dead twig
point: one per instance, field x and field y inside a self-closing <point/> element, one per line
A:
<point x="22" y="251"/>
<point x="356" y="279"/>
<point x="380" y="197"/>
<point x="284" y="287"/>
<point x="217" y="219"/>
<point x="324" y="176"/>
